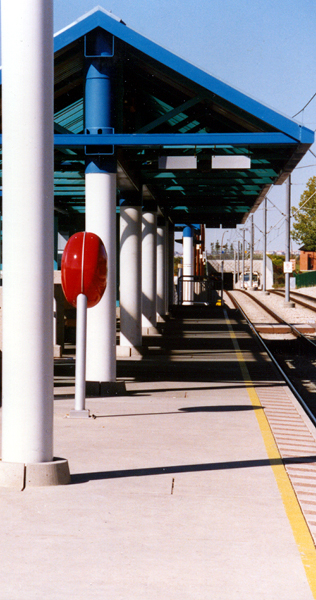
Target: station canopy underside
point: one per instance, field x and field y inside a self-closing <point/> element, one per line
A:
<point x="164" y="106"/>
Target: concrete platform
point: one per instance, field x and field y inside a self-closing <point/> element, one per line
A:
<point x="178" y="489"/>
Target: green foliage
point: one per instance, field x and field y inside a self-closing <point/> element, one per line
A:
<point x="278" y="275"/>
<point x="177" y="261"/>
<point x="304" y="227"/>
<point x="228" y="251"/>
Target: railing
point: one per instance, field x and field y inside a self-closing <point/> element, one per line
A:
<point x="192" y="290"/>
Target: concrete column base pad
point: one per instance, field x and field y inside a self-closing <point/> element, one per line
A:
<point x="79" y="414"/>
<point x="18" y="475"/>
<point x="127" y="351"/>
<point x="150" y="331"/>
<point x="48" y="473"/>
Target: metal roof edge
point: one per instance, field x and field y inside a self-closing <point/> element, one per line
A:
<point x="99" y="17"/>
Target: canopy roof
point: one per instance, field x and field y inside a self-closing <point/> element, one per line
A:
<point x="165" y="106"/>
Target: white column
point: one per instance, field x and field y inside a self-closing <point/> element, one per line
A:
<point x="101" y="321"/>
<point x="149" y="269"/>
<point x="161" y="270"/>
<point x="28" y="230"/>
<point x="166" y="270"/>
<point x="130" y="276"/>
<point x="188" y="265"/>
<point x="171" y="264"/>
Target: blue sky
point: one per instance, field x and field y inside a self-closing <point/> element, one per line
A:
<point x="266" y="48"/>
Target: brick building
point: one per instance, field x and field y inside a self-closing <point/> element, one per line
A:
<point x="307" y="261"/>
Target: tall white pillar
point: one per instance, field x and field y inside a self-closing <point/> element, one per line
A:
<point x="161" y="270"/>
<point x="28" y="230"/>
<point x="130" y="272"/>
<point x="171" y="265"/>
<point x="101" y="322"/>
<point x="188" y="265"/>
<point x="149" y="269"/>
<point x="166" y="270"/>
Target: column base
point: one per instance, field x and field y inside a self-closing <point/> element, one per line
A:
<point x="57" y="351"/>
<point x="99" y="389"/>
<point x="289" y="304"/>
<point x="19" y="475"/>
<point x="128" y="351"/>
<point x="150" y="331"/>
<point x="79" y="414"/>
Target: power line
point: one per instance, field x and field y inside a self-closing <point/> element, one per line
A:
<point x="304" y="106"/>
<point x="280" y="211"/>
<point x="305" y="167"/>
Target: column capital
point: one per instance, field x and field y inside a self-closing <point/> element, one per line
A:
<point x="150" y="206"/>
<point x="131" y="198"/>
<point x="101" y="164"/>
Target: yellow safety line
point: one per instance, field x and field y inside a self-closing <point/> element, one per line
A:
<point x="297" y="521"/>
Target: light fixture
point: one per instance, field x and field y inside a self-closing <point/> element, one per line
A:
<point x="231" y="162"/>
<point x="177" y="162"/>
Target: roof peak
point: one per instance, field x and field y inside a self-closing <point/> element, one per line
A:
<point x="97" y="8"/>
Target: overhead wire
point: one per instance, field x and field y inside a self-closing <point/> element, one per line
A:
<point x="312" y="98"/>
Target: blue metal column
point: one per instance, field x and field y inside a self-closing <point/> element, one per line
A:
<point x="101" y="208"/>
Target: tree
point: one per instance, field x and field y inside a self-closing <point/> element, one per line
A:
<point x="304" y="227"/>
<point x="217" y="248"/>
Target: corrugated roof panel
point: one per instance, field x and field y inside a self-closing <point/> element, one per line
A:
<point x="71" y="117"/>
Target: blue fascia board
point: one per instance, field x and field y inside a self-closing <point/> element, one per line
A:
<point x="174" y="139"/>
<point x="100" y="18"/>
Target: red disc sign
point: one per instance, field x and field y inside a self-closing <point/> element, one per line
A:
<point x="84" y="268"/>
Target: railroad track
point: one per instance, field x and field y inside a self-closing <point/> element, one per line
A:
<point x="301" y="299"/>
<point x="294" y="355"/>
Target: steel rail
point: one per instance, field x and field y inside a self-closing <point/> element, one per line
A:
<point x="275" y="362"/>
<point x="279" y="319"/>
<point x="295" y="297"/>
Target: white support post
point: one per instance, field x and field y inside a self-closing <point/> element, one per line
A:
<point x="130" y="275"/>
<point x="101" y="321"/>
<point x="149" y="270"/>
<point x="28" y="230"/>
<point x="81" y="338"/>
<point x="166" y="296"/>
<point x="171" y="296"/>
<point x="188" y="266"/>
<point x="161" y="271"/>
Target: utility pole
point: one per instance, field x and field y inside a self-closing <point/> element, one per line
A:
<point x="264" y="256"/>
<point x="288" y="243"/>
<point x="235" y="266"/>
<point x="222" y="267"/>
<point x="251" y="253"/>
<point x="243" y="257"/>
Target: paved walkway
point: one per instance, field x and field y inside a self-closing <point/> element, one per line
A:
<point x="178" y="491"/>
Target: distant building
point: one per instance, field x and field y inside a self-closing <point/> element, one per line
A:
<point x="307" y="260"/>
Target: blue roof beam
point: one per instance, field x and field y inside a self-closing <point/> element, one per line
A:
<point x="171" y="114"/>
<point x="176" y="139"/>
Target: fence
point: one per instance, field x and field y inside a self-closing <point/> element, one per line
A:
<point x="306" y="279"/>
<point x="192" y="289"/>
